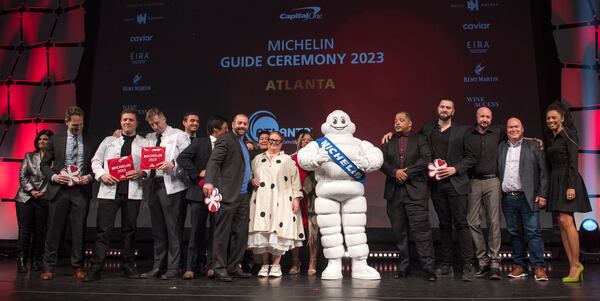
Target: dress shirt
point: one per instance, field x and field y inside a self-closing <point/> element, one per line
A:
<point x="512" y="180"/>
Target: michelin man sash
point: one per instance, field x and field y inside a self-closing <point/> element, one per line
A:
<point x="341" y="160"/>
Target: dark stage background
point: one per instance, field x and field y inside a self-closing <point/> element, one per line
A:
<point x="379" y="57"/>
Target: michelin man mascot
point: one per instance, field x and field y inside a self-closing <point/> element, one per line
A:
<point x="340" y="161"/>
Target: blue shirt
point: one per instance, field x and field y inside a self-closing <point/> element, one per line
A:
<point x="247" y="174"/>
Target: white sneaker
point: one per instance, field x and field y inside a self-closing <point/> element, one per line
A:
<point x="275" y="271"/>
<point x="333" y="270"/>
<point x="264" y="271"/>
<point x="360" y="270"/>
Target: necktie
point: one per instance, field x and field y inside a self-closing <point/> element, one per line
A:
<point x="158" y="136"/>
<point x="74" y="150"/>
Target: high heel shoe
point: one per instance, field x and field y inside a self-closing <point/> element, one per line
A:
<point x="312" y="267"/>
<point x="577" y="278"/>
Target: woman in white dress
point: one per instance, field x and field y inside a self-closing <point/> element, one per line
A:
<point x="275" y="218"/>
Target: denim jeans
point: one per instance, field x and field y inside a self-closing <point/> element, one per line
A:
<point x="523" y="224"/>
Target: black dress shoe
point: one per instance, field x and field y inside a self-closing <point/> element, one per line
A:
<point x="170" y="275"/>
<point x="223" y="277"/>
<point x="239" y="274"/>
<point x="494" y="274"/>
<point x="21" y="268"/>
<point x="36" y="266"/>
<point x="130" y="271"/>
<point x="93" y="275"/>
<point x="400" y="274"/>
<point x="154" y="273"/>
<point x="430" y="276"/>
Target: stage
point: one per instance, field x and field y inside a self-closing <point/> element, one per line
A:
<point x="114" y="286"/>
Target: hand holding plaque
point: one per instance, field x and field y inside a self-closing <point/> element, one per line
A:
<point x="213" y="201"/>
<point x="73" y="173"/>
<point x="119" y="167"/>
<point x="434" y="167"/>
<point x="152" y="157"/>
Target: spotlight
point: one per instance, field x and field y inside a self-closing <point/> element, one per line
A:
<point x="589" y="224"/>
<point x="589" y="237"/>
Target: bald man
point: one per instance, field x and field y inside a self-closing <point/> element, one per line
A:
<point x="522" y="171"/>
<point x="485" y="194"/>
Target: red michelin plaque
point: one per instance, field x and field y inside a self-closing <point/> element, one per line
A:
<point x="152" y="156"/>
<point x="118" y="167"/>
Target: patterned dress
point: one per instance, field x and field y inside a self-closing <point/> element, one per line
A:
<point x="273" y="226"/>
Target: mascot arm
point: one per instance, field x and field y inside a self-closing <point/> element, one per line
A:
<point x="373" y="155"/>
<point x="310" y="156"/>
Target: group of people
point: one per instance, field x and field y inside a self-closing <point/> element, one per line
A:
<point x="254" y="180"/>
<point x="268" y="199"/>
<point x="483" y="168"/>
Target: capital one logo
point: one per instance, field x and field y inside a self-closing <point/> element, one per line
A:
<point x="264" y="120"/>
<point x="303" y="14"/>
<point x="142" y="19"/>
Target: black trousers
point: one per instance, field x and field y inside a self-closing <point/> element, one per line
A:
<point x="32" y="218"/>
<point x="231" y="234"/>
<point x="164" y="214"/>
<point x="105" y="222"/>
<point x="408" y="215"/>
<point x="183" y="208"/>
<point x="200" y="239"/>
<point x="72" y="203"/>
<point x="451" y="209"/>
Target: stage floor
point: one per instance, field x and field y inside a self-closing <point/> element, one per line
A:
<point x="114" y="286"/>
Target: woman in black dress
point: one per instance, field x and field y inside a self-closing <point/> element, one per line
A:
<point x="567" y="192"/>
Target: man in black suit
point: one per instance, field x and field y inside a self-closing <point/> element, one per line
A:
<point x="229" y="170"/>
<point x="194" y="160"/>
<point x="68" y="199"/>
<point x="406" y="156"/>
<point x="524" y="178"/>
<point x="451" y="143"/>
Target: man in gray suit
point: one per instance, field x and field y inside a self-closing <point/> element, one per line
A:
<point x="67" y="199"/>
<point x="524" y="179"/>
<point x="228" y="169"/>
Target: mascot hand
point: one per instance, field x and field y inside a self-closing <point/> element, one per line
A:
<point x="322" y="157"/>
<point x="362" y="163"/>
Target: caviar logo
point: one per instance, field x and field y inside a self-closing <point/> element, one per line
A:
<point x="266" y="121"/>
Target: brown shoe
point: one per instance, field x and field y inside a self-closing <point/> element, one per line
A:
<point x="517" y="272"/>
<point x="79" y="274"/>
<point x="47" y="276"/>
<point x="189" y="275"/>
<point x="540" y="274"/>
<point x="210" y="273"/>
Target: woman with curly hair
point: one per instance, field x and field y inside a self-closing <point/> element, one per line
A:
<point x="567" y="193"/>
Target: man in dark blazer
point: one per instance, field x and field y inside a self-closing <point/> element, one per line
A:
<point x="194" y="160"/>
<point x="524" y="179"/>
<point x="406" y="156"/>
<point x="229" y="170"/>
<point x="68" y="199"/>
<point x="451" y="143"/>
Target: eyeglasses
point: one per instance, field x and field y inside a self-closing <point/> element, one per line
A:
<point x="274" y="141"/>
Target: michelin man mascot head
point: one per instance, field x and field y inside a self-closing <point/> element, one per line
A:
<point x="338" y="123"/>
<point x="340" y="162"/>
